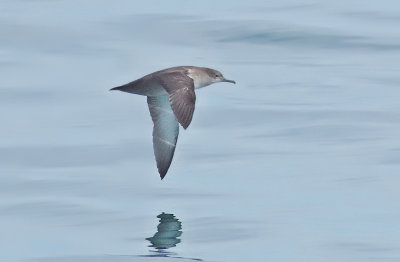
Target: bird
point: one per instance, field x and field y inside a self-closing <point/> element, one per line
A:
<point x="171" y="100"/>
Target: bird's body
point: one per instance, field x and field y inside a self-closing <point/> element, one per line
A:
<point x="171" y="99"/>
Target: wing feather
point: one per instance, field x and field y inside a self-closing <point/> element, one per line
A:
<point x="165" y="131"/>
<point x="182" y="97"/>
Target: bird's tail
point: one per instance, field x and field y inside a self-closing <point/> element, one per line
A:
<point x="116" y="88"/>
<point x="129" y="87"/>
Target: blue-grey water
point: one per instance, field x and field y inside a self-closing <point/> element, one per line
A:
<point x="299" y="161"/>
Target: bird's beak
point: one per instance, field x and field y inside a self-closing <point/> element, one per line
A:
<point x="227" y="80"/>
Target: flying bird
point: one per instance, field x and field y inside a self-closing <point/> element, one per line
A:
<point x="171" y="99"/>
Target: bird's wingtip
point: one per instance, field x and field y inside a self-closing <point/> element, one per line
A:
<point x="114" y="88"/>
<point x="162" y="173"/>
<point x="184" y="125"/>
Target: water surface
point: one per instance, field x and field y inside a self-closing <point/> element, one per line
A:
<point x="299" y="161"/>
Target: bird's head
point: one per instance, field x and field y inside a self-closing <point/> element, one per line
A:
<point x="216" y="76"/>
<point x="203" y="76"/>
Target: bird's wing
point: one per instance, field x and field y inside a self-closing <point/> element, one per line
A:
<point x="182" y="97"/>
<point x="165" y="131"/>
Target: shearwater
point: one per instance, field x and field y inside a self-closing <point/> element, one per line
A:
<point x="171" y="99"/>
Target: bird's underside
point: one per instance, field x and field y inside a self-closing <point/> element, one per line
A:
<point x="165" y="131"/>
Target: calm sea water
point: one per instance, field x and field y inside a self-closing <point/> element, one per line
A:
<point x="299" y="161"/>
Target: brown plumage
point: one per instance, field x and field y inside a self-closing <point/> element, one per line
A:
<point x="171" y="99"/>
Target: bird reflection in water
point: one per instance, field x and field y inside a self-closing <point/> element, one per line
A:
<point x="168" y="232"/>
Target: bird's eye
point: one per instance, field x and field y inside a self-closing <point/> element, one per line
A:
<point x="216" y="75"/>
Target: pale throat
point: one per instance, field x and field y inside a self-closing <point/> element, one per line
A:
<point x="199" y="79"/>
